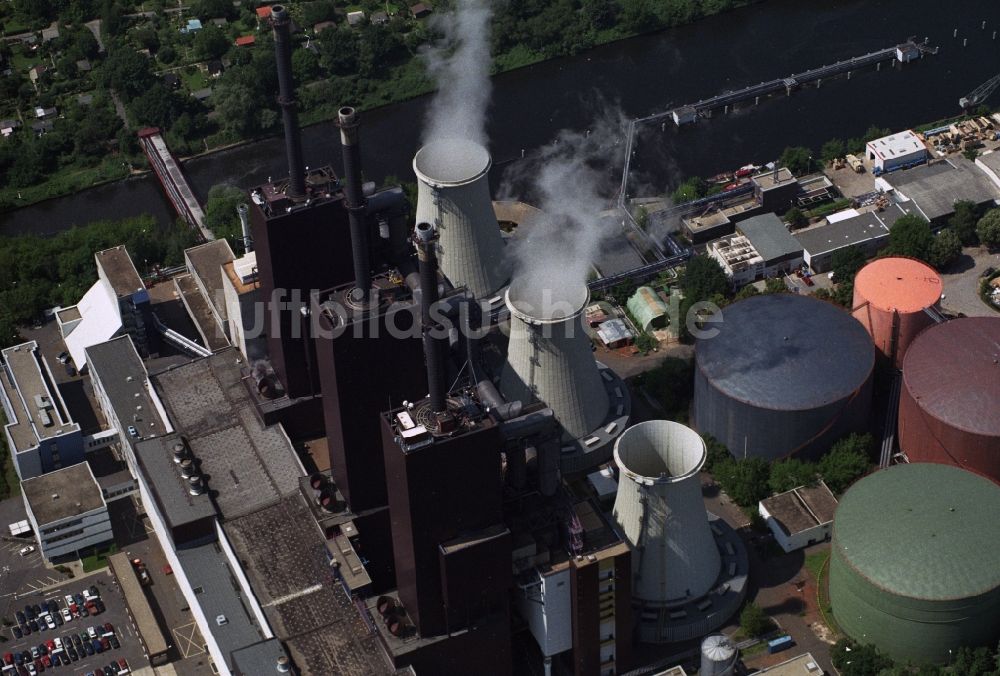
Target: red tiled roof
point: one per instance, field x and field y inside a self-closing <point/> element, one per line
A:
<point x="264" y="12"/>
<point x="245" y="40"/>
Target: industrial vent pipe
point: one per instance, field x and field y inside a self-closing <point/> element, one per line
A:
<point x="347" y="120"/>
<point x="454" y="196"/>
<point x="549" y="357"/>
<point x="660" y="510"/>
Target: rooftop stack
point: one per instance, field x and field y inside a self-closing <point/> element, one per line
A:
<point x="454" y="196"/>
<point x="660" y="510"/>
<point x="280" y="24"/>
<point x="348" y="122"/>
<point x="549" y="357"/>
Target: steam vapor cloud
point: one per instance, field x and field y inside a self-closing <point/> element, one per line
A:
<point x="460" y="65"/>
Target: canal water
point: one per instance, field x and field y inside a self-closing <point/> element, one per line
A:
<point x="642" y="76"/>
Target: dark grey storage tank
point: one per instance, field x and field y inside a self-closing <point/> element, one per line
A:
<point x="785" y="375"/>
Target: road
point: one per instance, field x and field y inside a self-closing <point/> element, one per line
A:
<point x="961" y="283"/>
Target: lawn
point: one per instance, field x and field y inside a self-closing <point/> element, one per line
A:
<point x="10" y="483"/>
<point x="98" y="557"/>
<point x="815" y="562"/>
<point x="66" y="180"/>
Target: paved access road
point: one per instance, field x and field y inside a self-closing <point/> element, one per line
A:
<point x="961" y="283"/>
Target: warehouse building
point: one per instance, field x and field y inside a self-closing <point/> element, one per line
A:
<point x="932" y="190"/>
<point x="800" y="517"/>
<point x="784" y="375"/>
<point x="762" y="248"/>
<point x="913" y="568"/>
<point x="40" y="433"/>
<point x="67" y="511"/>
<point x="775" y="190"/>
<point x="895" y="151"/>
<point x="868" y="231"/>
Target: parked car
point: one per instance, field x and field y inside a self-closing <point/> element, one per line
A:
<point x="50" y="623"/>
<point x="99" y="606"/>
<point x="8" y="659"/>
<point x="94" y="593"/>
<point x="17" y="631"/>
<point x="73" y="655"/>
<point x="24" y="551"/>
<point x="32" y="625"/>
<point x="96" y="644"/>
<point x="108" y="628"/>
<point x="87" y="648"/>
<point x="21" y="617"/>
<point x="122" y="666"/>
<point x="105" y="643"/>
<point x="66" y="615"/>
<point x="114" y="642"/>
<point x="63" y="357"/>
<point x="68" y="599"/>
<point x="78" y="598"/>
<point x="132" y="432"/>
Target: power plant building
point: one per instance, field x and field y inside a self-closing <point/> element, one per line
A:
<point x="913" y="569"/>
<point x="895" y="299"/>
<point x="689" y="568"/>
<point x="784" y="375"/>
<point x="949" y="405"/>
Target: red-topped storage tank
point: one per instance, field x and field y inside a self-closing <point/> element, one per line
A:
<point x="949" y="406"/>
<point x="890" y="299"/>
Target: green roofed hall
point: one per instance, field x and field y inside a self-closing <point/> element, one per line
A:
<point x="916" y="561"/>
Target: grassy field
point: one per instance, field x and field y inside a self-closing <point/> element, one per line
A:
<point x="10" y="483"/>
<point x="63" y="182"/>
<point x="98" y="557"/>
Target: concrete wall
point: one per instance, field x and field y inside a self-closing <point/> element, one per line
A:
<point x="547" y="609"/>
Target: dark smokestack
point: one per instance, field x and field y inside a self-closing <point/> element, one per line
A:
<point x="286" y="98"/>
<point x="348" y="122"/>
<point x="426" y="238"/>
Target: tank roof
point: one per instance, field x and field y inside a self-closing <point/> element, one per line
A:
<point x="896" y="283"/>
<point x="786" y="352"/>
<point x="953" y="372"/>
<point x="901" y="531"/>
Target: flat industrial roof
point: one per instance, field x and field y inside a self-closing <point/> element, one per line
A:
<point x="284" y="555"/>
<point x="122" y="376"/>
<point x="922" y="530"/>
<point x="219" y="593"/>
<point x="200" y="311"/>
<point x="62" y="494"/>
<point x="23" y="379"/>
<point x="170" y="488"/>
<point x="206" y="261"/>
<point x="829" y="237"/>
<point x="149" y="628"/>
<point x="251" y="466"/>
<point x="770" y="237"/>
<point x="803" y="665"/>
<point x="120" y="271"/>
<point x="769" y="179"/>
<point x="896" y="145"/>
<point x="802" y="508"/>
<point x="936" y="187"/>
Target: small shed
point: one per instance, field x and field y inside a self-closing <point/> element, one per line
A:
<point x="8" y="127"/>
<point x="220" y="22"/>
<point x="193" y="26"/>
<point x="45" y="113"/>
<point x="355" y="18"/>
<point x="42" y="126"/>
<point x="647" y="309"/>
<point x="202" y="94"/>
<point x="50" y="33"/>
<point x="246" y="41"/>
<point x="420" y="10"/>
<point x="800" y="517"/>
<point x="83" y="65"/>
<point x="614" y="334"/>
<point x="36" y="72"/>
<point x="215" y="68"/>
<point x="85" y="99"/>
<point x="379" y="18"/>
<point x="172" y="81"/>
<point x="322" y="26"/>
<point x="263" y="13"/>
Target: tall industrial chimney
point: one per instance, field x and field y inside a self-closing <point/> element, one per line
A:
<point x="243" y="211"/>
<point x="280" y="21"/>
<point x="549" y="357"/>
<point x="659" y="508"/>
<point x="348" y="122"/>
<point x="425" y="238"/>
<point x="454" y="196"/>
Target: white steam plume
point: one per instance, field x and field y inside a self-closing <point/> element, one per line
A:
<point x="571" y="184"/>
<point x="460" y="65"/>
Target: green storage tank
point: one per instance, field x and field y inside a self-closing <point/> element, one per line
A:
<point x="915" y="567"/>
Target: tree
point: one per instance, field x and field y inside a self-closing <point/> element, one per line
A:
<point x="852" y="659"/>
<point x="672" y="385"/>
<point x="126" y="71"/>
<point x="988" y="229"/>
<point x="747" y="291"/>
<point x="832" y="149"/>
<point x="157" y="107"/>
<point x="945" y="249"/>
<point x="214" y="9"/>
<point x="846" y="461"/>
<point x="796" y="159"/>
<point x="642" y="218"/>
<point x="220" y="214"/>
<point x="703" y="278"/>
<point x="754" y="621"/>
<point x="339" y="51"/>
<point x="305" y="65"/>
<point x="910" y="236"/>
<point x="167" y="54"/>
<point x="963" y="222"/>
<point x="690" y="190"/>
<point x="791" y="473"/>
<point x="775" y="285"/>
<point x="210" y="43"/>
<point x="715" y="452"/>
<point x="795" y="218"/>
<point x="646" y="343"/>
<point x="845" y="264"/>
<point x="315" y="12"/>
<point x="745" y="481"/>
<point x="974" y="662"/>
<point x="601" y="13"/>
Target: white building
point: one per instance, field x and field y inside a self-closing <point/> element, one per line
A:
<point x="894" y="151"/>
<point x="246" y="319"/>
<point x="762" y="247"/>
<point x="40" y="433"/>
<point x="67" y="510"/>
<point x="800" y="517"/>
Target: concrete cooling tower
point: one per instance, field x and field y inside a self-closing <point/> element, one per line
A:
<point x="914" y="562"/>
<point x="678" y="576"/>
<point x="949" y="405"/>
<point x="454" y="195"/>
<point x="549" y="357"/>
<point x="785" y="375"/>
<point x="891" y="299"/>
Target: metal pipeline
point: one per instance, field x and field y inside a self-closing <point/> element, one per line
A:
<point x="280" y="22"/>
<point x="347" y="120"/>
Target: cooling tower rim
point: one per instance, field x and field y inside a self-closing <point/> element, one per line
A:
<point x="451" y="162"/>
<point x="532" y="317"/>
<point x="690" y="437"/>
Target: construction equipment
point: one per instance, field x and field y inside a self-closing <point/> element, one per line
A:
<point x="980" y="93"/>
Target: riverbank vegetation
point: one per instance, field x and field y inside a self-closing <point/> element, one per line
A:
<point x="204" y="71"/>
<point x="40" y="272"/>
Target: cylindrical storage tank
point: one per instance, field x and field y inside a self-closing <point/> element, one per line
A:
<point x="660" y="510"/>
<point x="718" y="656"/>
<point x="949" y="405"/>
<point x="454" y="195"/>
<point x="784" y="375"/>
<point x="915" y="563"/>
<point x="890" y="299"/>
<point x="549" y="357"/>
